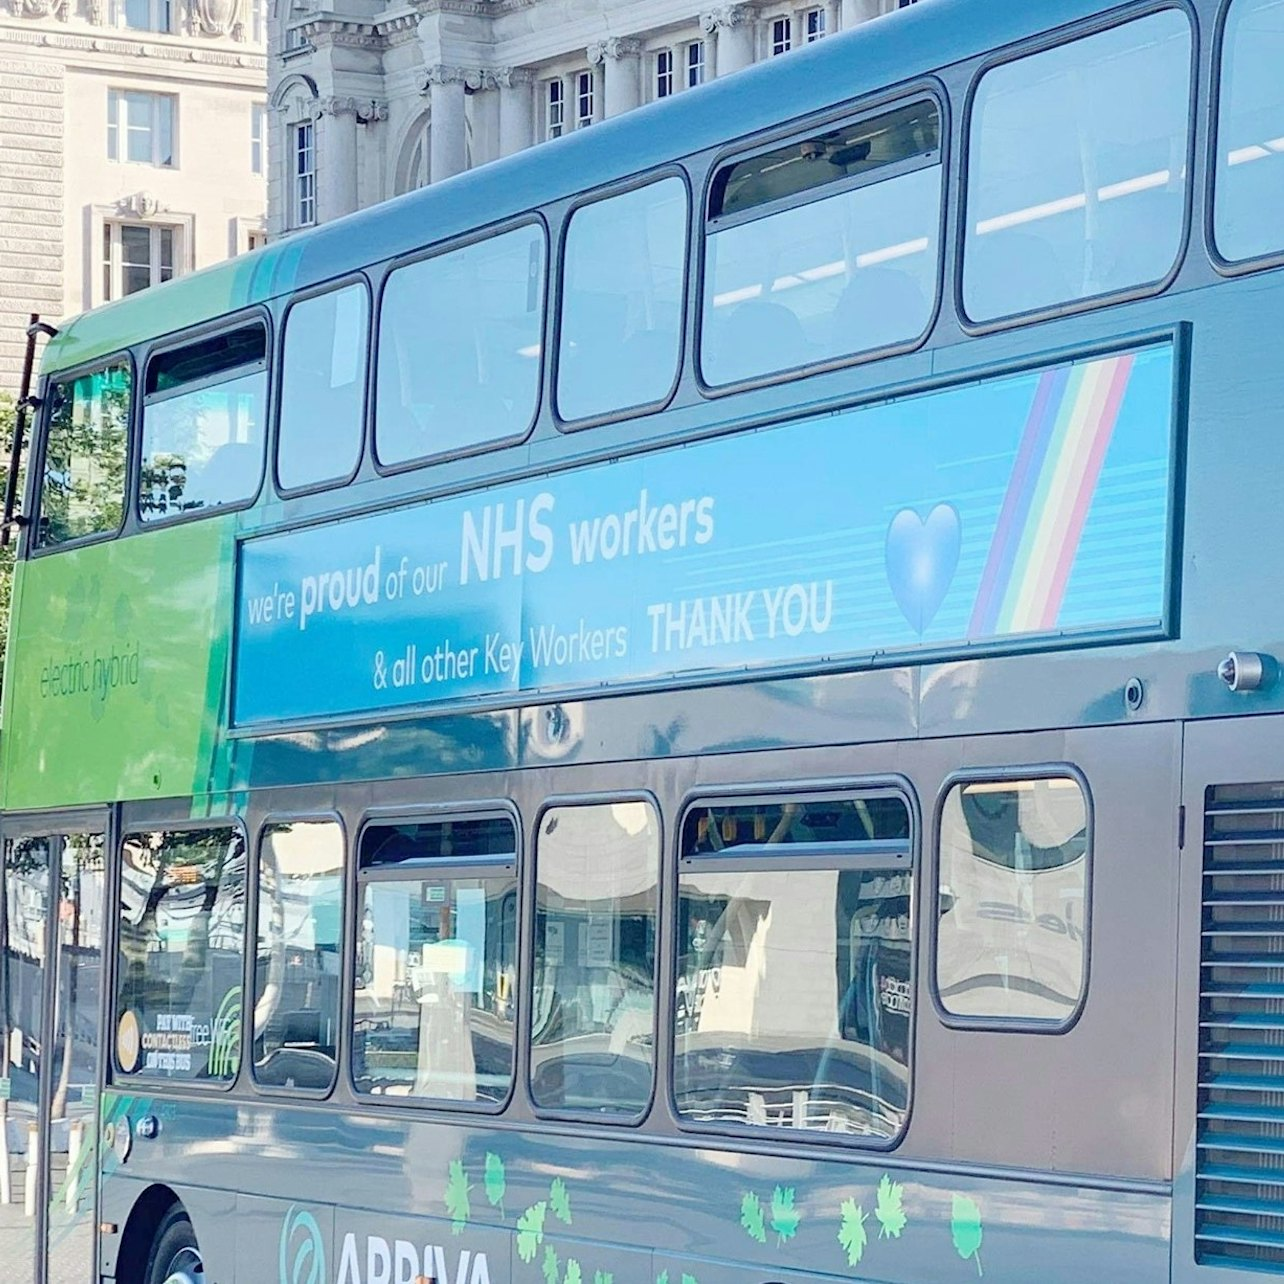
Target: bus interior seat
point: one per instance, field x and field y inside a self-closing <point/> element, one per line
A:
<point x="879" y="306"/>
<point x="1007" y="272"/>
<point x="756" y="337"/>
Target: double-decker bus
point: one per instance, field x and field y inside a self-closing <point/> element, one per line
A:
<point x="700" y="704"/>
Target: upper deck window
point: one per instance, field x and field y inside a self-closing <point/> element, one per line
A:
<point x="203" y="417"/>
<point x="82" y="488"/>
<point x="824" y="247"/>
<point x="459" y="348"/>
<point x="323" y="388"/>
<point x="794" y="989"/>
<point x="624" y="274"/>
<point x="1078" y="169"/>
<point x="1249" y="192"/>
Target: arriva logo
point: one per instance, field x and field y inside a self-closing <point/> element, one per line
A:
<point x="401" y="1263"/>
<point x="302" y="1256"/>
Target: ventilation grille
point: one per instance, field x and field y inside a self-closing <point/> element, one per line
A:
<point x="1239" y="1164"/>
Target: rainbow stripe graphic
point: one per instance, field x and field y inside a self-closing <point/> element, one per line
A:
<point x="1050" y="492"/>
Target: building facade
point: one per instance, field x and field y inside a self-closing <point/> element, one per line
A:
<point x="373" y="98"/>
<point x="133" y="148"/>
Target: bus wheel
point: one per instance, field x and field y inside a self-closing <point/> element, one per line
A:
<point x="175" y="1257"/>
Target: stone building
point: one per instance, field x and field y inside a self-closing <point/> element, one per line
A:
<point x="132" y="149"/>
<point x="373" y="98"/>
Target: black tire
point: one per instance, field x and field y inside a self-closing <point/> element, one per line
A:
<point x="174" y="1250"/>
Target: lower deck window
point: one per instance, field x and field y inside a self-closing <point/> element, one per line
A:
<point x="592" y="1024"/>
<point x="1011" y="937"/>
<point x="437" y="960"/>
<point x="794" y="989"/>
<point x="182" y="951"/>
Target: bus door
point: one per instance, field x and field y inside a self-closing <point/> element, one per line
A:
<point x="52" y="901"/>
<point x="1228" y="1147"/>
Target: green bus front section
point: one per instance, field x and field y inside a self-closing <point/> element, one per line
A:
<point x="116" y="672"/>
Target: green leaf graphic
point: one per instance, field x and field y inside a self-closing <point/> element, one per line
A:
<point x="552" y="1268"/>
<point x="573" y="1273"/>
<point x="603" y="1277"/>
<point x="784" y="1216"/>
<point x="966" y="1227"/>
<point x="889" y="1209"/>
<point x="752" y="1217"/>
<point x="530" y="1231"/>
<point x="559" y="1201"/>
<point x="662" y="1278"/>
<point x="688" y="1279"/>
<point x="851" y="1233"/>
<point x="496" y="1183"/>
<point x="457" y="1204"/>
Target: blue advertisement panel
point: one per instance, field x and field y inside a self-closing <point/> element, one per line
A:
<point x="1016" y="510"/>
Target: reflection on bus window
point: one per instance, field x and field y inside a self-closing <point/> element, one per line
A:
<point x="592" y="1025"/>
<point x="459" y="348"/>
<point x="323" y="388"/>
<point x="437" y="960"/>
<point x="623" y="280"/>
<point x="1249" y="192"/>
<point x="824" y="249"/>
<point x="83" y="485"/>
<point x="1077" y="171"/>
<point x="203" y="420"/>
<point x="181" y="954"/>
<point x="794" y="986"/>
<point x="1010" y="940"/>
<point x="296" y="971"/>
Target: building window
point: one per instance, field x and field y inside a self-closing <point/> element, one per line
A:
<point x="135" y="256"/>
<point x="782" y="36"/>
<point x="294" y="39"/>
<point x="305" y="175"/>
<point x="258" y="115"/>
<point x="695" y="64"/>
<point x="555" y="109"/>
<point x="583" y="99"/>
<point x="256" y="238"/>
<point x="140" y="127"/>
<point x="143" y="15"/>
<point x="814" y="24"/>
<point x="664" y="73"/>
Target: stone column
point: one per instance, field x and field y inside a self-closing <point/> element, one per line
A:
<point x="516" y="109"/>
<point x="484" y="103"/>
<point x="621" y="60"/>
<point x="732" y="27"/>
<point x="445" y="89"/>
<point x="854" y="12"/>
<point x="336" y="141"/>
<point x="833" y="16"/>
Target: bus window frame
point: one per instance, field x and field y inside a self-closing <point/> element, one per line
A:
<point x="998" y="774"/>
<point x="1217" y="79"/>
<point x="889" y="785"/>
<point x="227" y="324"/>
<point x="357" y="277"/>
<point x="537" y="218"/>
<point x="652" y="177"/>
<point x="425" y="813"/>
<point x="1039" y="44"/>
<point x="37" y="454"/>
<point x="922" y="88"/>
<point x="114" y="1076"/>
<point x="269" y="820"/>
<point x="659" y="1003"/>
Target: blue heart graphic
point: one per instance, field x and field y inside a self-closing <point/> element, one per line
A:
<point x="922" y="557"/>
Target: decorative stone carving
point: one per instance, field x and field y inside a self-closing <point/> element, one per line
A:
<point x="140" y="205"/>
<point x="728" y="15"/>
<point x="509" y="77"/>
<point x="213" y="17"/>
<point x="366" y="110"/>
<point x="613" y="47"/>
<point x="39" y="9"/>
<point x="472" y="78"/>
